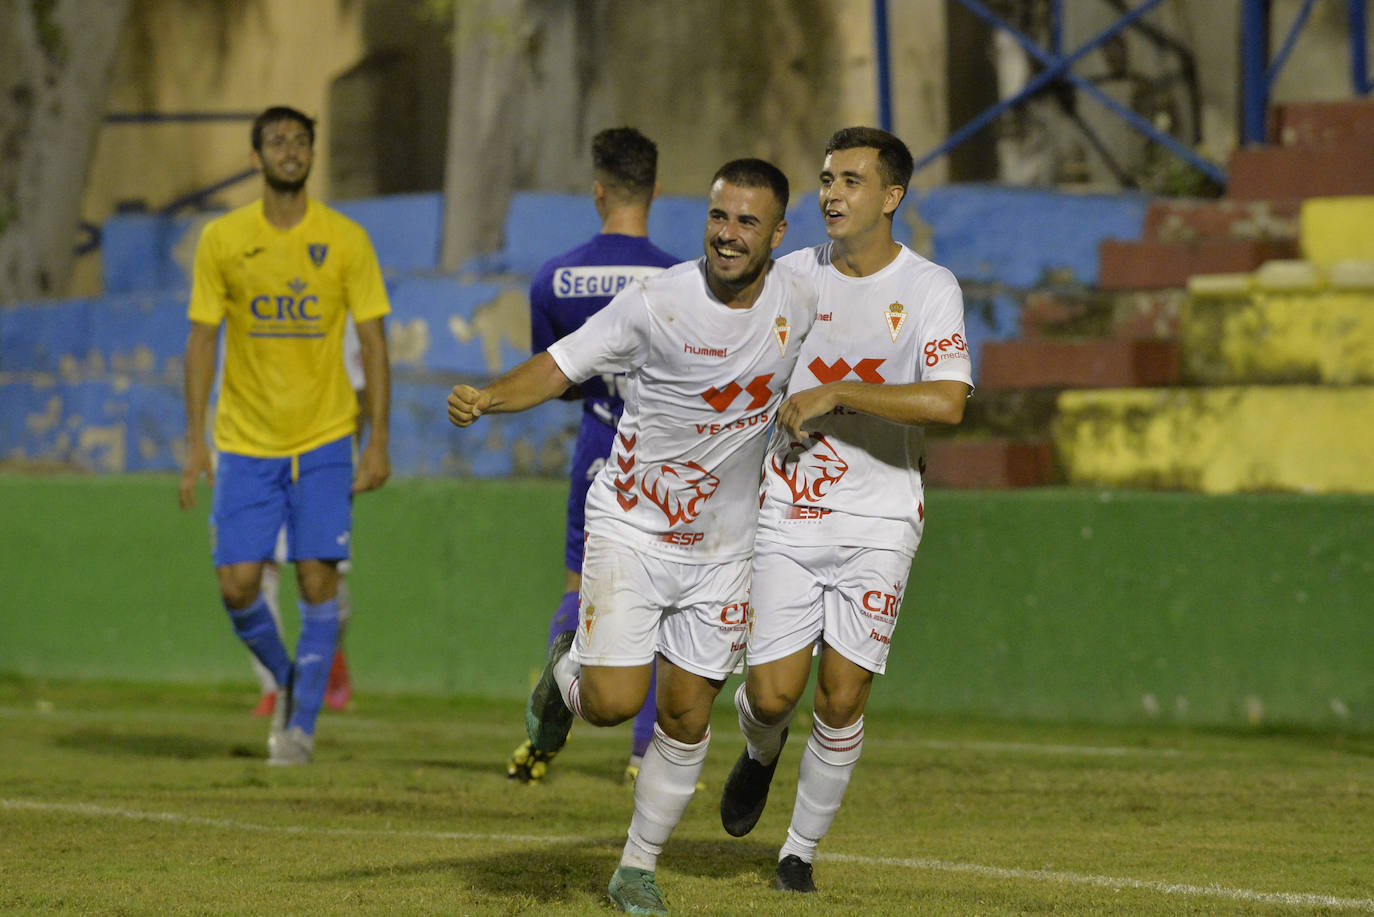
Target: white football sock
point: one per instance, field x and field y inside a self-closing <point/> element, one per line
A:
<point x="568" y="675"/>
<point x="826" y="767"/>
<point x="667" y="779"/>
<point x="763" y="742"/>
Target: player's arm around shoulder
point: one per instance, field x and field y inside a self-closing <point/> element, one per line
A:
<point x="532" y="382"/>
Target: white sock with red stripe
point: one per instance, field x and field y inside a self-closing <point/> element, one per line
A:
<point x="667" y="779"/>
<point x="826" y="767"/>
<point x="763" y="742"/>
<point x="568" y="674"/>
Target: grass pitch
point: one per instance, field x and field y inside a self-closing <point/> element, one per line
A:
<point x="139" y="799"/>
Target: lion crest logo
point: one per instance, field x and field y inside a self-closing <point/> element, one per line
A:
<point x="678" y="489"/>
<point x="809" y="473"/>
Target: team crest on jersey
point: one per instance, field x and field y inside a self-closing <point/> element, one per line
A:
<point x="318" y="252"/>
<point x="588" y="617"/>
<point x="896" y="318"/>
<point x="781" y="332"/>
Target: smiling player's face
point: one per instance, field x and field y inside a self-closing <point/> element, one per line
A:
<point x="743" y="226"/>
<point x="286" y="155"/>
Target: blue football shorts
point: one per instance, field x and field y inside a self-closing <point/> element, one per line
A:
<point x="310" y="494"/>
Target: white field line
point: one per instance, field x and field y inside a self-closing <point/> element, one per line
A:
<point x="1285" y="899"/>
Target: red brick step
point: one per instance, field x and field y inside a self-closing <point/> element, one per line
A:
<point x="1088" y="363"/>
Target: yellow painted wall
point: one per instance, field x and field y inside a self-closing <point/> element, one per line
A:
<point x="1322" y="336"/>
<point x="212" y="57"/>
<point x="1306" y="439"/>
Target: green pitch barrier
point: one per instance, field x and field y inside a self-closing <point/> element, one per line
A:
<point x="1053" y="604"/>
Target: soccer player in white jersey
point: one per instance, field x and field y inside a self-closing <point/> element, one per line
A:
<point x="707" y="345"/>
<point x="843" y="500"/>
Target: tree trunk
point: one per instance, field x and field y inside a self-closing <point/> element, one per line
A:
<point x="55" y="62"/>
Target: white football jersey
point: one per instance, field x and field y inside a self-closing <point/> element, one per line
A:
<point x="858" y="481"/>
<point x="704" y="381"/>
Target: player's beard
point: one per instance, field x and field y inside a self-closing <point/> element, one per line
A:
<point x="284" y="185"/>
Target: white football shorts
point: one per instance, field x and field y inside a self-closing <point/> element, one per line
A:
<point x="634" y="605"/>
<point x="849" y="595"/>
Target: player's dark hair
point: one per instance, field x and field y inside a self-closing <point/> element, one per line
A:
<point x="894" y="159"/>
<point x="626" y="159"/>
<point x="755" y="173"/>
<point x="281" y="113"/>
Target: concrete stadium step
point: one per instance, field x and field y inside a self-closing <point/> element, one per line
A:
<point x="1297" y="172"/>
<point x="1305" y="439"/>
<point x="991" y="464"/>
<point x="1319" y="123"/>
<point x="1188" y="219"/>
<point x="1093" y="313"/>
<point x="1151" y="264"/>
<point x="1087" y="363"/>
<point x="1336" y="229"/>
<point x="1290" y="322"/>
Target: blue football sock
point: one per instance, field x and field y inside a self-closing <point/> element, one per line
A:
<point x="314" y="654"/>
<point x="644" y="719"/>
<point x="565" y="618"/>
<point x="255" y="627"/>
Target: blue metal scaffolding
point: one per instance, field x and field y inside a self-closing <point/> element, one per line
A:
<point x="1258" y="71"/>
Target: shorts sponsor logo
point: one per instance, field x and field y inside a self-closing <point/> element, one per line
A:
<point x="685" y="539"/>
<point x="735" y="614"/>
<point x="807" y="512"/>
<point x="809" y="473"/>
<point x="881" y="638"/>
<point x="953" y="347"/>
<point x="884" y="603"/>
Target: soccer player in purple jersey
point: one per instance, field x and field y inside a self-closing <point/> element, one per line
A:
<point x="566" y="291"/>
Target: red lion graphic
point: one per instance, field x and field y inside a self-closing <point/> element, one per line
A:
<point x="678" y="489"/>
<point x="810" y="472"/>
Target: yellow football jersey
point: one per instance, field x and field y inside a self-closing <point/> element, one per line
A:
<point x="284" y="298"/>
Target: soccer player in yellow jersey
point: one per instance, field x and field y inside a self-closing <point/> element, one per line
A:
<point x="282" y="275"/>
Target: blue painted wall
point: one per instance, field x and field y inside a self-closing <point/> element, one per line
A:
<point x="96" y="383"/>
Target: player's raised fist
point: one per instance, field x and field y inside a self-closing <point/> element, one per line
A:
<point x="466" y="404"/>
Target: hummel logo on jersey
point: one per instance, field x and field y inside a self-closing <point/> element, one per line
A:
<point x="722" y="398"/>
<point x="705" y="351"/>
<point x="256" y="250"/>
<point x="866" y="369"/>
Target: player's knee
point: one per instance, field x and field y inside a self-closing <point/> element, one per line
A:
<point x="840" y="707"/>
<point x="772" y="703"/>
<point x="602" y="707"/>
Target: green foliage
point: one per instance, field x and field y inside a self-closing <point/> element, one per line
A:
<point x="126" y="798"/>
